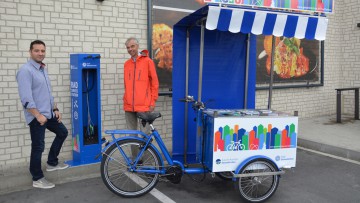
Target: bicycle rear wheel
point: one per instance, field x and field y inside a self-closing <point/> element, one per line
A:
<point x="258" y="188"/>
<point x="117" y="176"/>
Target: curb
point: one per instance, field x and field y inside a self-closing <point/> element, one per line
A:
<point x="329" y="149"/>
<point x="19" y="179"/>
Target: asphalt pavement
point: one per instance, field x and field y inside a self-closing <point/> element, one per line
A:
<point x="316" y="178"/>
<point x="321" y="134"/>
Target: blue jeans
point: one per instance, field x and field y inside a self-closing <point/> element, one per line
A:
<point x="37" y="133"/>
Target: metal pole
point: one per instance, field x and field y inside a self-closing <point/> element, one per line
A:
<point x="247" y="71"/>
<point x="149" y="28"/>
<point x="338" y="106"/>
<point x="201" y="60"/>
<point x="271" y="72"/>
<point x="357" y="104"/>
<point x="186" y="94"/>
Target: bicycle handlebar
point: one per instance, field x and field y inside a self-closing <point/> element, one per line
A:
<point x="188" y="99"/>
<point x="196" y="105"/>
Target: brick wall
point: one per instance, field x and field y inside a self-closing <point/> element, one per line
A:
<point x="88" y="26"/>
<point x="349" y="39"/>
<point x="67" y="26"/>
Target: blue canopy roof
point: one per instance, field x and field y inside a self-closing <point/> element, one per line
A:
<point x="258" y="22"/>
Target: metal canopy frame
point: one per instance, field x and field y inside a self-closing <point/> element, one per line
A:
<point x="199" y="96"/>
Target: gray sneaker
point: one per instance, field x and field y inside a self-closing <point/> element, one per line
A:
<point x="43" y="183"/>
<point x="60" y="166"/>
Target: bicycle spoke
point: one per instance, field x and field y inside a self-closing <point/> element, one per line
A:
<point x="116" y="173"/>
<point x="117" y="161"/>
<point x="258" y="188"/>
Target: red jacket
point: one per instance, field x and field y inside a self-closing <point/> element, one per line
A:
<point x="141" y="84"/>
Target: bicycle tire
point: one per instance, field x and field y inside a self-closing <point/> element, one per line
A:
<point x="257" y="188"/>
<point x="116" y="174"/>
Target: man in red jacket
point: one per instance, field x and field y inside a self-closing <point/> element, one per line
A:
<point x="141" y="84"/>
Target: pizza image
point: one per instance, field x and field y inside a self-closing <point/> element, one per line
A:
<point x="162" y="36"/>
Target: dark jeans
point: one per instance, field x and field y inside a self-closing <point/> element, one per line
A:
<point x="37" y="133"/>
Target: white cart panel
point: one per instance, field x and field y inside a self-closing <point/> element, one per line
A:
<point x="236" y="138"/>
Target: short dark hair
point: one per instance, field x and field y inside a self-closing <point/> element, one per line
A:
<point x="36" y="42"/>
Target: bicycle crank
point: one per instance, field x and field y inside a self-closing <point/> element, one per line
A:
<point x="174" y="174"/>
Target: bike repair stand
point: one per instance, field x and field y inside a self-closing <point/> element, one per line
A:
<point x="85" y="108"/>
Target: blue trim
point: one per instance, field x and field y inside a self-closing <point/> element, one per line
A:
<point x="247" y="23"/>
<point x="311" y="28"/>
<point x="196" y="170"/>
<point x="269" y="24"/>
<point x="179" y="164"/>
<point x="224" y="21"/>
<point x="190" y="170"/>
<point x="225" y="17"/>
<point x="290" y="26"/>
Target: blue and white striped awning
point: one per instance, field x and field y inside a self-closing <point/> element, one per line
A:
<point x="266" y="23"/>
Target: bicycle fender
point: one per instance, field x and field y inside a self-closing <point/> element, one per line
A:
<point x="121" y="132"/>
<point x="253" y="158"/>
<point x="133" y="138"/>
<point x="133" y="132"/>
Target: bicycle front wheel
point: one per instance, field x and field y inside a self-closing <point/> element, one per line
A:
<point x="258" y="188"/>
<point x="116" y="173"/>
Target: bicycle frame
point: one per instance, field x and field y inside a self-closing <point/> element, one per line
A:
<point x="257" y="176"/>
<point x="147" y="140"/>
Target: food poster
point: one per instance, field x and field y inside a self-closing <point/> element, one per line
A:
<point x="236" y="139"/>
<point x="296" y="61"/>
<point x="165" y="13"/>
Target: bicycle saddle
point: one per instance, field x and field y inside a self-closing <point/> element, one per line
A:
<point x="148" y="117"/>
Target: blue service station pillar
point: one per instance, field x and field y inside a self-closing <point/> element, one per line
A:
<point x="85" y="108"/>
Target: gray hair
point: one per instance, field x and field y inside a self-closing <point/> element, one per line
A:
<point x="131" y="38"/>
